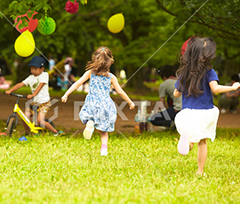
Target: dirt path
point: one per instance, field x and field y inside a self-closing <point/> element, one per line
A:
<point x="68" y="114"/>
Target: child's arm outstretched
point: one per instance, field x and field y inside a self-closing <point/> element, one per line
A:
<point x="21" y="84"/>
<point x="78" y="83"/>
<point x="122" y="93"/>
<point x="38" y="89"/>
<point x="14" y="88"/>
<point x="216" y="88"/>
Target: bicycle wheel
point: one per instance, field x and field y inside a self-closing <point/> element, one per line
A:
<point x="11" y="125"/>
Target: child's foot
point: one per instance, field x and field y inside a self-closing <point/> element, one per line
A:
<point x="58" y="133"/>
<point x="201" y="174"/>
<point x="104" y="150"/>
<point x="88" y="131"/>
<point x="183" y="145"/>
<point x="23" y="139"/>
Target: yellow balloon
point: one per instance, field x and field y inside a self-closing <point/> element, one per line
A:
<point x="116" y="23"/>
<point x="25" y="44"/>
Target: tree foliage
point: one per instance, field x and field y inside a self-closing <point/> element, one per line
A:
<point x="153" y="35"/>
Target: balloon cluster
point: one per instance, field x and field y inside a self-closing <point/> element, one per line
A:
<point x="25" y="44"/>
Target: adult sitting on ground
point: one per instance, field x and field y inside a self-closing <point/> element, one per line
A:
<point x="166" y="89"/>
<point x="229" y="101"/>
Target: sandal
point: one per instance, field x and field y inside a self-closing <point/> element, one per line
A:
<point x="88" y="131"/>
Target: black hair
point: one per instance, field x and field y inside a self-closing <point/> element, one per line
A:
<point x="195" y="62"/>
<point x="167" y="71"/>
<point x="235" y="77"/>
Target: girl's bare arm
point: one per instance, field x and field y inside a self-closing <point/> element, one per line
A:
<point x="216" y="88"/>
<point x="78" y="83"/>
<point x="122" y="93"/>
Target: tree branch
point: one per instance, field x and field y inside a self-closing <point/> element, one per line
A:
<point x="94" y="13"/>
<point x="214" y="28"/>
<point x="161" y="5"/>
<point x="230" y="57"/>
<point x="201" y="21"/>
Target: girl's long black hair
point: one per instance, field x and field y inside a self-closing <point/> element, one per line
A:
<point x="195" y="62"/>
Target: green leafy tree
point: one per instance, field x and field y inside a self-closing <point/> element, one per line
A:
<point x="152" y="37"/>
<point x="219" y="19"/>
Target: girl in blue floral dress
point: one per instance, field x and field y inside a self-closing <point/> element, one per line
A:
<point x="99" y="110"/>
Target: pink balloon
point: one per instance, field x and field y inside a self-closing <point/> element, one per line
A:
<point x="32" y="25"/>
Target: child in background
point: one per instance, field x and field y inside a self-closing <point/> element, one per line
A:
<point x="166" y="89"/>
<point x="99" y="110"/>
<point x="3" y="84"/>
<point x="197" y="120"/>
<point x="38" y="83"/>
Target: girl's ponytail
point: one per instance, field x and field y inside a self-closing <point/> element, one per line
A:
<point x="102" y="59"/>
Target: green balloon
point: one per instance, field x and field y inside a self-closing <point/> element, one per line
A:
<point x="46" y="26"/>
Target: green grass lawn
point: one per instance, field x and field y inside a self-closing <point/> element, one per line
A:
<point x="138" y="169"/>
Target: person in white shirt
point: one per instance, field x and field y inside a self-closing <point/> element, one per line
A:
<point x="38" y="82"/>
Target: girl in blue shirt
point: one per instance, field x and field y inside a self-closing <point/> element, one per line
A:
<point x="197" y="120"/>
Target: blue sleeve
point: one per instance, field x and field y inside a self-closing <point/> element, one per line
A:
<point x="212" y="76"/>
<point x="177" y="85"/>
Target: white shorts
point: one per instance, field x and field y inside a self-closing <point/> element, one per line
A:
<point x="197" y="123"/>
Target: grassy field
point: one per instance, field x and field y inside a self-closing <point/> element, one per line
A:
<point x="138" y="169"/>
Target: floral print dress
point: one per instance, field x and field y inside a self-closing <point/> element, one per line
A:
<point x="98" y="105"/>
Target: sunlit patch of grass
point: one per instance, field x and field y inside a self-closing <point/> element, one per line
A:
<point x="140" y="168"/>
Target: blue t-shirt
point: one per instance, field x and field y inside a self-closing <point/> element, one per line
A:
<point x="203" y="101"/>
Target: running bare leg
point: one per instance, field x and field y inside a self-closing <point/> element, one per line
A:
<point x="191" y="144"/>
<point x="104" y="140"/>
<point x="43" y="123"/>
<point x="27" y="129"/>
<point x="202" y="155"/>
<point x="104" y="137"/>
